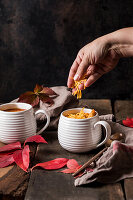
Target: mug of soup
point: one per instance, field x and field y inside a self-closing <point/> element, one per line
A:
<point x="18" y="122"/>
<point x="81" y="135"/>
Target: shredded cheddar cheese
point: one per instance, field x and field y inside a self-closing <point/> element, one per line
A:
<point x="82" y="114"/>
<point x="76" y="86"/>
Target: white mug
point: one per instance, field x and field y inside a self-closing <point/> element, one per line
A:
<point x="17" y="126"/>
<point x="81" y="135"/>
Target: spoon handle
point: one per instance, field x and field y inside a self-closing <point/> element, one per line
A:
<point x="89" y="161"/>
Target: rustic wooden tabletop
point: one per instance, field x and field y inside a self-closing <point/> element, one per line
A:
<point x="50" y="185"/>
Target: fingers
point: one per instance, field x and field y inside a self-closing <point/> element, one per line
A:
<point x="92" y="78"/>
<point x="73" y="69"/>
<point x="81" y="70"/>
<point x="72" y="74"/>
<point x="74" y="90"/>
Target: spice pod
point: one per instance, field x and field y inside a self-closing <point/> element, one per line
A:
<point x="117" y="136"/>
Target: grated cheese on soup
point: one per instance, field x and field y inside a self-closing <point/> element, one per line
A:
<point x="82" y="114"/>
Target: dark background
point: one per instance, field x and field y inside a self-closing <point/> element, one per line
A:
<point x="39" y="40"/>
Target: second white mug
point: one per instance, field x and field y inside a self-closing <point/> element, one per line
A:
<point x="81" y="135"/>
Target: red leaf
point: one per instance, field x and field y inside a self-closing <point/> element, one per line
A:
<point x="6" y="160"/>
<point x="48" y="91"/>
<point x="128" y="122"/>
<point x="132" y="119"/>
<point x="71" y="171"/>
<point x="29" y="97"/>
<point x="38" y="88"/>
<point x="35" y="138"/>
<point x="26" y="156"/>
<point x="21" y="158"/>
<point x="53" y="164"/>
<point x="10" y="147"/>
<point x="72" y="163"/>
<point x="73" y="166"/>
<point x="6" y="153"/>
<point x="89" y="169"/>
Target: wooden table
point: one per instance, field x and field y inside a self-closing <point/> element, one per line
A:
<point x="51" y="185"/>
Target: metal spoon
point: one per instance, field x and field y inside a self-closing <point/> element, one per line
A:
<point x="117" y="136"/>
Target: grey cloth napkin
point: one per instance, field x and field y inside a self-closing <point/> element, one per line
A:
<point x="63" y="101"/>
<point x="116" y="163"/>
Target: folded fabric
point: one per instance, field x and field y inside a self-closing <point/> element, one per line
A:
<point x="116" y="163"/>
<point x="109" y="117"/>
<point x="63" y="101"/>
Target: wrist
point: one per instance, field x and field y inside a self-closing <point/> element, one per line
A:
<point x="112" y="43"/>
<point x="119" y="42"/>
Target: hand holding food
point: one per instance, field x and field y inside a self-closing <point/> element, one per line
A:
<point x="99" y="57"/>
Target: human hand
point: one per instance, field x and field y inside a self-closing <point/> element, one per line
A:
<point x="92" y="61"/>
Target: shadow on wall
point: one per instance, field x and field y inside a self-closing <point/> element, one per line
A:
<point x="39" y="40"/>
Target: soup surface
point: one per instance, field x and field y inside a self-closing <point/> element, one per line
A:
<point x="14" y="110"/>
<point x="82" y="114"/>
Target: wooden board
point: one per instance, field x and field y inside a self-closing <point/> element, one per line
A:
<point x="13" y="180"/>
<point x="55" y="185"/>
<point x="102" y="106"/>
<point x="124" y="109"/>
<point x="14" y="183"/>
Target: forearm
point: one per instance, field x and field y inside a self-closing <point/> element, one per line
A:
<point x="121" y="41"/>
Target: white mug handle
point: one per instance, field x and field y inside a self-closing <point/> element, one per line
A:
<point x="47" y="123"/>
<point x="108" y="131"/>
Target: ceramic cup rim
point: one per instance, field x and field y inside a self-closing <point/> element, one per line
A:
<point x="18" y="105"/>
<point x="78" y="109"/>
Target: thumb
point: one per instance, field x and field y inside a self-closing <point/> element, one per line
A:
<point x="82" y="68"/>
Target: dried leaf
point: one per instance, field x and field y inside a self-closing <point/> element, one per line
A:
<point x="6" y="160"/>
<point x="40" y="93"/>
<point x="53" y="164"/>
<point x="21" y="158"/>
<point x="45" y="98"/>
<point x="48" y="91"/>
<point x="29" y="97"/>
<point x="10" y="147"/>
<point x="35" y="138"/>
<point x="38" y="88"/>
